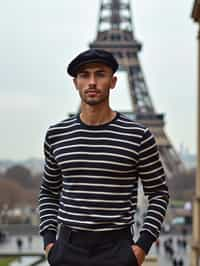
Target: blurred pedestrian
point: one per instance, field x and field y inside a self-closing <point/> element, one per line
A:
<point x="174" y="262"/>
<point x="180" y="263"/>
<point x="19" y="243"/>
<point x="157" y="243"/>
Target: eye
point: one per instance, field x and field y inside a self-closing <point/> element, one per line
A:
<point x="83" y="74"/>
<point x="101" y="74"/>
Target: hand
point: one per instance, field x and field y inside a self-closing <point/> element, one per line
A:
<point x="48" y="248"/>
<point x="139" y="253"/>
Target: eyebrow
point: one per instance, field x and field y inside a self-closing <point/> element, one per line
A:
<point x="87" y="71"/>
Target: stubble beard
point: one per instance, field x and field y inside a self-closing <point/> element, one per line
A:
<point x="92" y="101"/>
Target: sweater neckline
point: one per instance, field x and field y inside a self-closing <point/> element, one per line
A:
<point x="97" y="126"/>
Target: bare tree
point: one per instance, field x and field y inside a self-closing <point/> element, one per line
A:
<point x="11" y="193"/>
<point x="182" y="187"/>
<point x="19" y="174"/>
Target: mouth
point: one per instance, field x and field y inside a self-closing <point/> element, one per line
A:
<point x="91" y="92"/>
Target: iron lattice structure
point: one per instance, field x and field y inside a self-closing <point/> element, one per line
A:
<point x="115" y="34"/>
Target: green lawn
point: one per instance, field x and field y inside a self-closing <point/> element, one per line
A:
<point x="6" y="261"/>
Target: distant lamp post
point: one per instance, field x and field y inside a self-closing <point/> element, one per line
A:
<point x="195" y="258"/>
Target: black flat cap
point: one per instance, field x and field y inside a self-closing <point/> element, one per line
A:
<point x="92" y="56"/>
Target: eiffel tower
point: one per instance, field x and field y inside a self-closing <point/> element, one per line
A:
<point x="115" y="34"/>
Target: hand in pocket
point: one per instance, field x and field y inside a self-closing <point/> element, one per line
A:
<point x="139" y="254"/>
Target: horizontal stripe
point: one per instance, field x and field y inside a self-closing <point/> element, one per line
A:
<point x="95" y="200"/>
<point x="95" y="192"/>
<point x="94" y="208"/>
<point x="95" y="185"/>
<point x="100" y="177"/>
<point x="95" y="162"/>
<point x="96" y="153"/>
<point x="92" y="131"/>
<point x="100" y="169"/>
<point x="117" y="148"/>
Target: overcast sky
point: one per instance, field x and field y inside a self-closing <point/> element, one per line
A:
<point x="38" y="39"/>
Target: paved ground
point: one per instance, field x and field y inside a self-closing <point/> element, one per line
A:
<point x="180" y="253"/>
<point x="36" y="246"/>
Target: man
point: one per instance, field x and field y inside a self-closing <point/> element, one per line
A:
<point x="93" y="162"/>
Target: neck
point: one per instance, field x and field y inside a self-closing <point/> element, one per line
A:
<point x="92" y="115"/>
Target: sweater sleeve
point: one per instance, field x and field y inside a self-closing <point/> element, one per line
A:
<point x="152" y="175"/>
<point x="49" y="196"/>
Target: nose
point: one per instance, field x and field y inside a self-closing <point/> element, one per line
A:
<point x="92" y="80"/>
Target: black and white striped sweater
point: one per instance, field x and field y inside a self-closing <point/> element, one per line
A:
<point x="91" y="177"/>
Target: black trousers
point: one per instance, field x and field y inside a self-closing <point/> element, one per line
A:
<point x="75" y="248"/>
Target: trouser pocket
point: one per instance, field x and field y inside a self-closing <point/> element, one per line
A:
<point x="65" y="253"/>
<point x="114" y="254"/>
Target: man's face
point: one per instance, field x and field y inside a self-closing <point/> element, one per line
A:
<point x="94" y="82"/>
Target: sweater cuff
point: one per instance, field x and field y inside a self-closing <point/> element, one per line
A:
<point x="49" y="236"/>
<point x="145" y="241"/>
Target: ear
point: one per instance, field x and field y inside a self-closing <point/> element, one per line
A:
<point x="75" y="83"/>
<point x="113" y="82"/>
